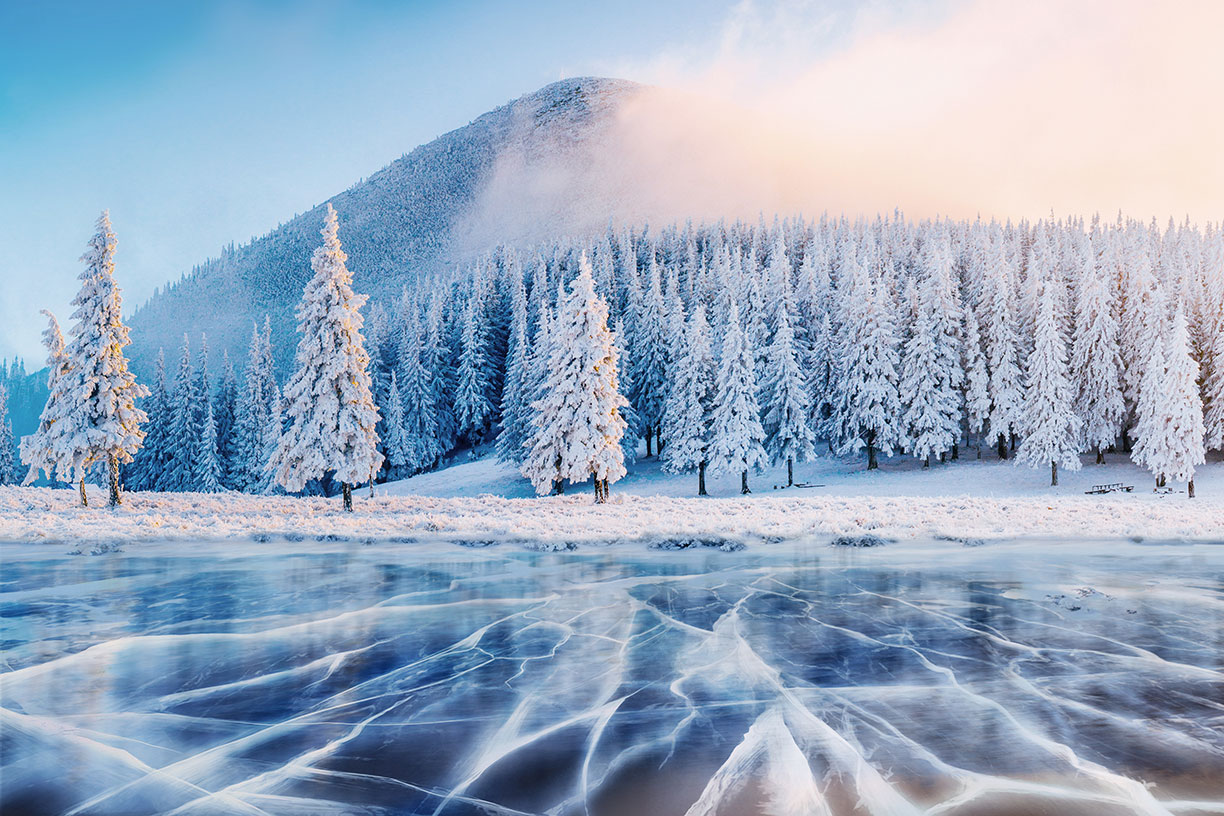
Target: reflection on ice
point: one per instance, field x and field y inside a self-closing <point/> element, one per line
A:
<point x="998" y="680"/>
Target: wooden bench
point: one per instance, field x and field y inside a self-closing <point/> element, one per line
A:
<point x="1110" y="488"/>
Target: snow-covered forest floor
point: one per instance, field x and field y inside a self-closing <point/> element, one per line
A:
<point x="481" y="502"/>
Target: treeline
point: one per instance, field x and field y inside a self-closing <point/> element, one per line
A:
<point x="746" y="344"/>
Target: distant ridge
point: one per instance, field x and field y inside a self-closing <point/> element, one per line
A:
<point x="396" y="225"/>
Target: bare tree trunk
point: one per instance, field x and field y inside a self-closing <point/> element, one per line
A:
<point x="1100" y="456"/>
<point x="1002" y="445"/>
<point x="559" y="487"/>
<point x="347" y="490"/>
<point x="744" y="491"/>
<point x="84" y="501"/>
<point x="1190" y="489"/>
<point x="648" y="447"/>
<point x="1160" y="481"/>
<point x="371" y="483"/>
<point x="956" y="452"/>
<point x="790" y="472"/>
<point x="1053" y="474"/>
<point x="113" y="469"/>
<point x="701" y="488"/>
<point x="926" y="463"/>
<point x="872" y="462"/>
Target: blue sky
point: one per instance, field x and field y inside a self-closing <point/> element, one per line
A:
<point x="201" y="123"/>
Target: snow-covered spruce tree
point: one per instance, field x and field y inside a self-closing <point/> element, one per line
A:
<point x="931" y="373"/>
<point x="225" y="407"/>
<point x="737" y="438"/>
<point x="1002" y="352"/>
<point x="649" y="376"/>
<point x="688" y="414"/>
<point x="208" y="471"/>
<point x="472" y="406"/>
<point x="395" y="443"/>
<point x="1213" y="392"/>
<point x="788" y="433"/>
<point x="248" y="465"/>
<point x="330" y="408"/>
<point x="150" y="463"/>
<point x="867" y="406"/>
<point x="1054" y="431"/>
<point x="1152" y="361"/>
<point x="437" y="361"/>
<point x="977" y="379"/>
<point x="1096" y="363"/>
<point x="37" y="451"/>
<point x="578" y="418"/>
<point x="511" y="438"/>
<point x="1175" y="447"/>
<point x="8" y="447"/>
<point x="95" y="418"/>
<point x="420" y="433"/>
<point x="180" y="472"/>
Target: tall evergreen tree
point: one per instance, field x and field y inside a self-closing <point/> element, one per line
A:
<point x="977" y="379"/>
<point x="396" y="443"/>
<point x="8" y="447"/>
<point x="95" y="418"/>
<point x="420" y="434"/>
<point x="149" y="466"/>
<point x="511" y="439"/>
<point x="331" y="410"/>
<point x="38" y="450"/>
<point x="180" y="473"/>
<point x="248" y="465"/>
<point x="1053" y="434"/>
<point x="578" y="418"/>
<point x="1097" y="363"/>
<point x="649" y="377"/>
<point x="207" y="463"/>
<point x="1001" y="341"/>
<point x="1176" y="446"/>
<point x="737" y="438"/>
<point x="473" y="408"/>
<point x="689" y="411"/>
<point x="788" y="434"/>
<point x="225" y="404"/>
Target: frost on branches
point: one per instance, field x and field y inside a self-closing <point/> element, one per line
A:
<point x="331" y="411"/>
<point x="1053" y="433"/>
<point x="91" y="415"/>
<point x="578" y="421"/>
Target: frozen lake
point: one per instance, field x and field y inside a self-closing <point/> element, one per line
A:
<point x="321" y="678"/>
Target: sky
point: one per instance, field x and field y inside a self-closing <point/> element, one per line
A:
<point x="198" y="124"/>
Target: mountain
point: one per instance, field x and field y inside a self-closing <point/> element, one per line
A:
<point x="444" y="202"/>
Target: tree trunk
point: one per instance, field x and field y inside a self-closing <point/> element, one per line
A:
<point x="658" y="440"/>
<point x="701" y="488"/>
<point x="956" y="452"/>
<point x="1053" y="474"/>
<point x="559" y="487"/>
<point x="1160" y="481"/>
<point x="84" y="501"/>
<point x="926" y="463"/>
<point x="347" y="490"/>
<point x="1190" y="489"/>
<point x="600" y="498"/>
<point x="1002" y="446"/>
<point x="790" y="472"/>
<point x="371" y="483"/>
<point x="1100" y="456"/>
<point x="744" y="491"/>
<point x="648" y="447"/>
<point x="113" y="469"/>
<point x="872" y="462"/>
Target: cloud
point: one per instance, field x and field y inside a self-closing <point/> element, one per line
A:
<point x="1003" y="109"/>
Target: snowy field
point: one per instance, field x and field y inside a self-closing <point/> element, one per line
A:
<point x="483" y="501"/>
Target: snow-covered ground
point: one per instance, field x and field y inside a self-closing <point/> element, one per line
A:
<point x="484" y="501"/>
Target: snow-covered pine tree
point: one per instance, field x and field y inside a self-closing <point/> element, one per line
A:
<point x="180" y="473"/>
<point x="150" y="463"/>
<point x="788" y="432"/>
<point x="1213" y="392"/>
<point x="436" y="358"/>
<point x="331" y="410"/>
<point x="95" y="418"/>
<point x="8" y="447"/>
<point x="931" y="373"/>
<point x="867" y="406"/>
<point x="578" y="418"/>
<point x="1096" y="362"/>
<point x="248" y="466"/>
<point x="472" y="406"/>
<point x="649" y="376"/>
<point x="977" y="379"/>
<point x="737" y="438"/>
<point x="207" y="465"/>
<point x="396" y="443"/>
<point x="225" y="404"/>
<point x="511" y="438"/>
<point x="420" y="435"/>
<point x="38" y="450"/>
<point x="1151" y="348"/>
<point x="270" y="437"/>
<point x="688" y="414"/>
<point x="1176" y="446"/>
<point x="1054" y="431"/>
<point x="1002" y="352"/>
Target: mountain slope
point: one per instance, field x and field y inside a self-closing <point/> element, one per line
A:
<point x="413" y="217"/>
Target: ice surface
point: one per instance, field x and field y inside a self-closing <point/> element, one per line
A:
<point x="795" y="679"/>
